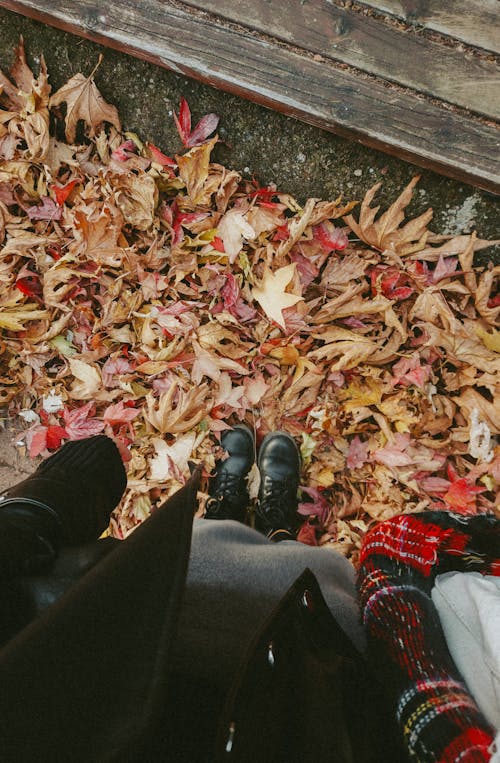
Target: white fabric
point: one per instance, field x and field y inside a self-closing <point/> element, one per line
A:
<point x="469" y="609"/>
<point x="496" y="750"/>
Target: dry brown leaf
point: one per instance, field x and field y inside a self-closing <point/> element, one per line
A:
<point x="84" y="102"/>
<point x="489" y="411"/>
<point x="87" y="382"/>
<point x="176" y="410"/>
<point x="193" y="169"/>
<point x="137" y="198"/>
<point x="381" y="344"/>
<point x="386" y="233"/>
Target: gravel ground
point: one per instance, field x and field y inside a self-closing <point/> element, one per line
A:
<point x="300" y="159"/>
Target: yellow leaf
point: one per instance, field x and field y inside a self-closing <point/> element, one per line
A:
<point x="325" y="478"/>
<point x="491" y="341"/>
<point x="287" y="355"/>
<point x="358" y="394"/>
<point x="271" y="294"/>
<point x="14" y="320"/>
<point x="88" y="380"/>
<point x="152" y="367"/>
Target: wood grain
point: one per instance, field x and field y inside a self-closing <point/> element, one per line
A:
<point x="475" y="22"/>
<point x="275" y="76"/>
<point x="373" y="46"/>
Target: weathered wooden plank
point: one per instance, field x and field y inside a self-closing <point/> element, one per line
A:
<point x="475" y="22"/>
<point x="373" y="46"/>
<point x="317" y="92"/>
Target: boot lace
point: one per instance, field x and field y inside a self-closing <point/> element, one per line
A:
<point x="278" y="496"/>
<point x="227" y="491"/>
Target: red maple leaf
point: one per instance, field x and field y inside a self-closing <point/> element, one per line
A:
<point x="80" y="423"/>
<point x="203" y="129"/>
<point x="41" y="438"/>
<point x="390" y="281"/>
<point x="161" y="158"/>
<point x="119" y="413"/>
<point x="124" y="151"/>
<point x="332" y="239"/>
<point x="177" y="219"/>
<point x="55" y="435"/>
<point x="61" y="192"/>
<point x="307" y="534"/>
<point x="461" y="495"/>
<point x="29" y="283"/>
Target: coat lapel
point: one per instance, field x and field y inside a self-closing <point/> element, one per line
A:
<point x="89" y="678"/>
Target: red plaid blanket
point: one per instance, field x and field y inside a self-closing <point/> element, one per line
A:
<point x="400" y="559"/>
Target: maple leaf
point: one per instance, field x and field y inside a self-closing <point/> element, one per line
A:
<point x="14" y="318"/>
<point x="211" y="365"/>
<point x="271" y="294"/>
<point x="137" y="198"/>
<point x="357" y="454"/>
<point x="445" y="268"/>
<point x="203" y="129"/>
<point x="124" y="151"/>
<point x="52" y="403"/>
<point x="47" y="210"/>
<point x="29" y="283"/>
<point x="233" y="229"/>
<point x="79" y="422"/>
<point x="318" y="506"/>
<point x="160" y="158"/>
<point x="84" y="102"/>
<point x="87" y="379"/>
<point x="118" y="413"/>
<point x="394" y="454"/>
<point x="307" y="534"/>
<point x="390" y="282"/>
<point x="41" y="438"/>
<point x="228" y="396"/>
<point x="193" y="169"/>
<point x="61" y="192"/>
<point x="461" y="496"/>
<point x="386" y="233"/>
<point x="255" y="388"/>
<point x="331" y="238"/>
<point x="409" y="371"/>
<point x="172" y="460"/>
<point x="114" y="367"/>
<point x="176" y="410"/>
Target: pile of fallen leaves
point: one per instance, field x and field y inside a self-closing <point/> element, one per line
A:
<point x="160" y="300"/>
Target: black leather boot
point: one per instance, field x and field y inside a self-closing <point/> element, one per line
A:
<point x="67" y="501"/>
<point x="279" y="465"/>
<point x="228" y="488"/>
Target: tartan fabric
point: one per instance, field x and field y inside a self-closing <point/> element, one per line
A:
<point x="400" y="558"/>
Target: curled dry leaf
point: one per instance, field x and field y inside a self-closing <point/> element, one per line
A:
<point x="176" y="410"/>
<point x="84" y="102"/>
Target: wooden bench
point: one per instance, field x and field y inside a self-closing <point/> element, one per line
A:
<point x="419" y="79"/>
